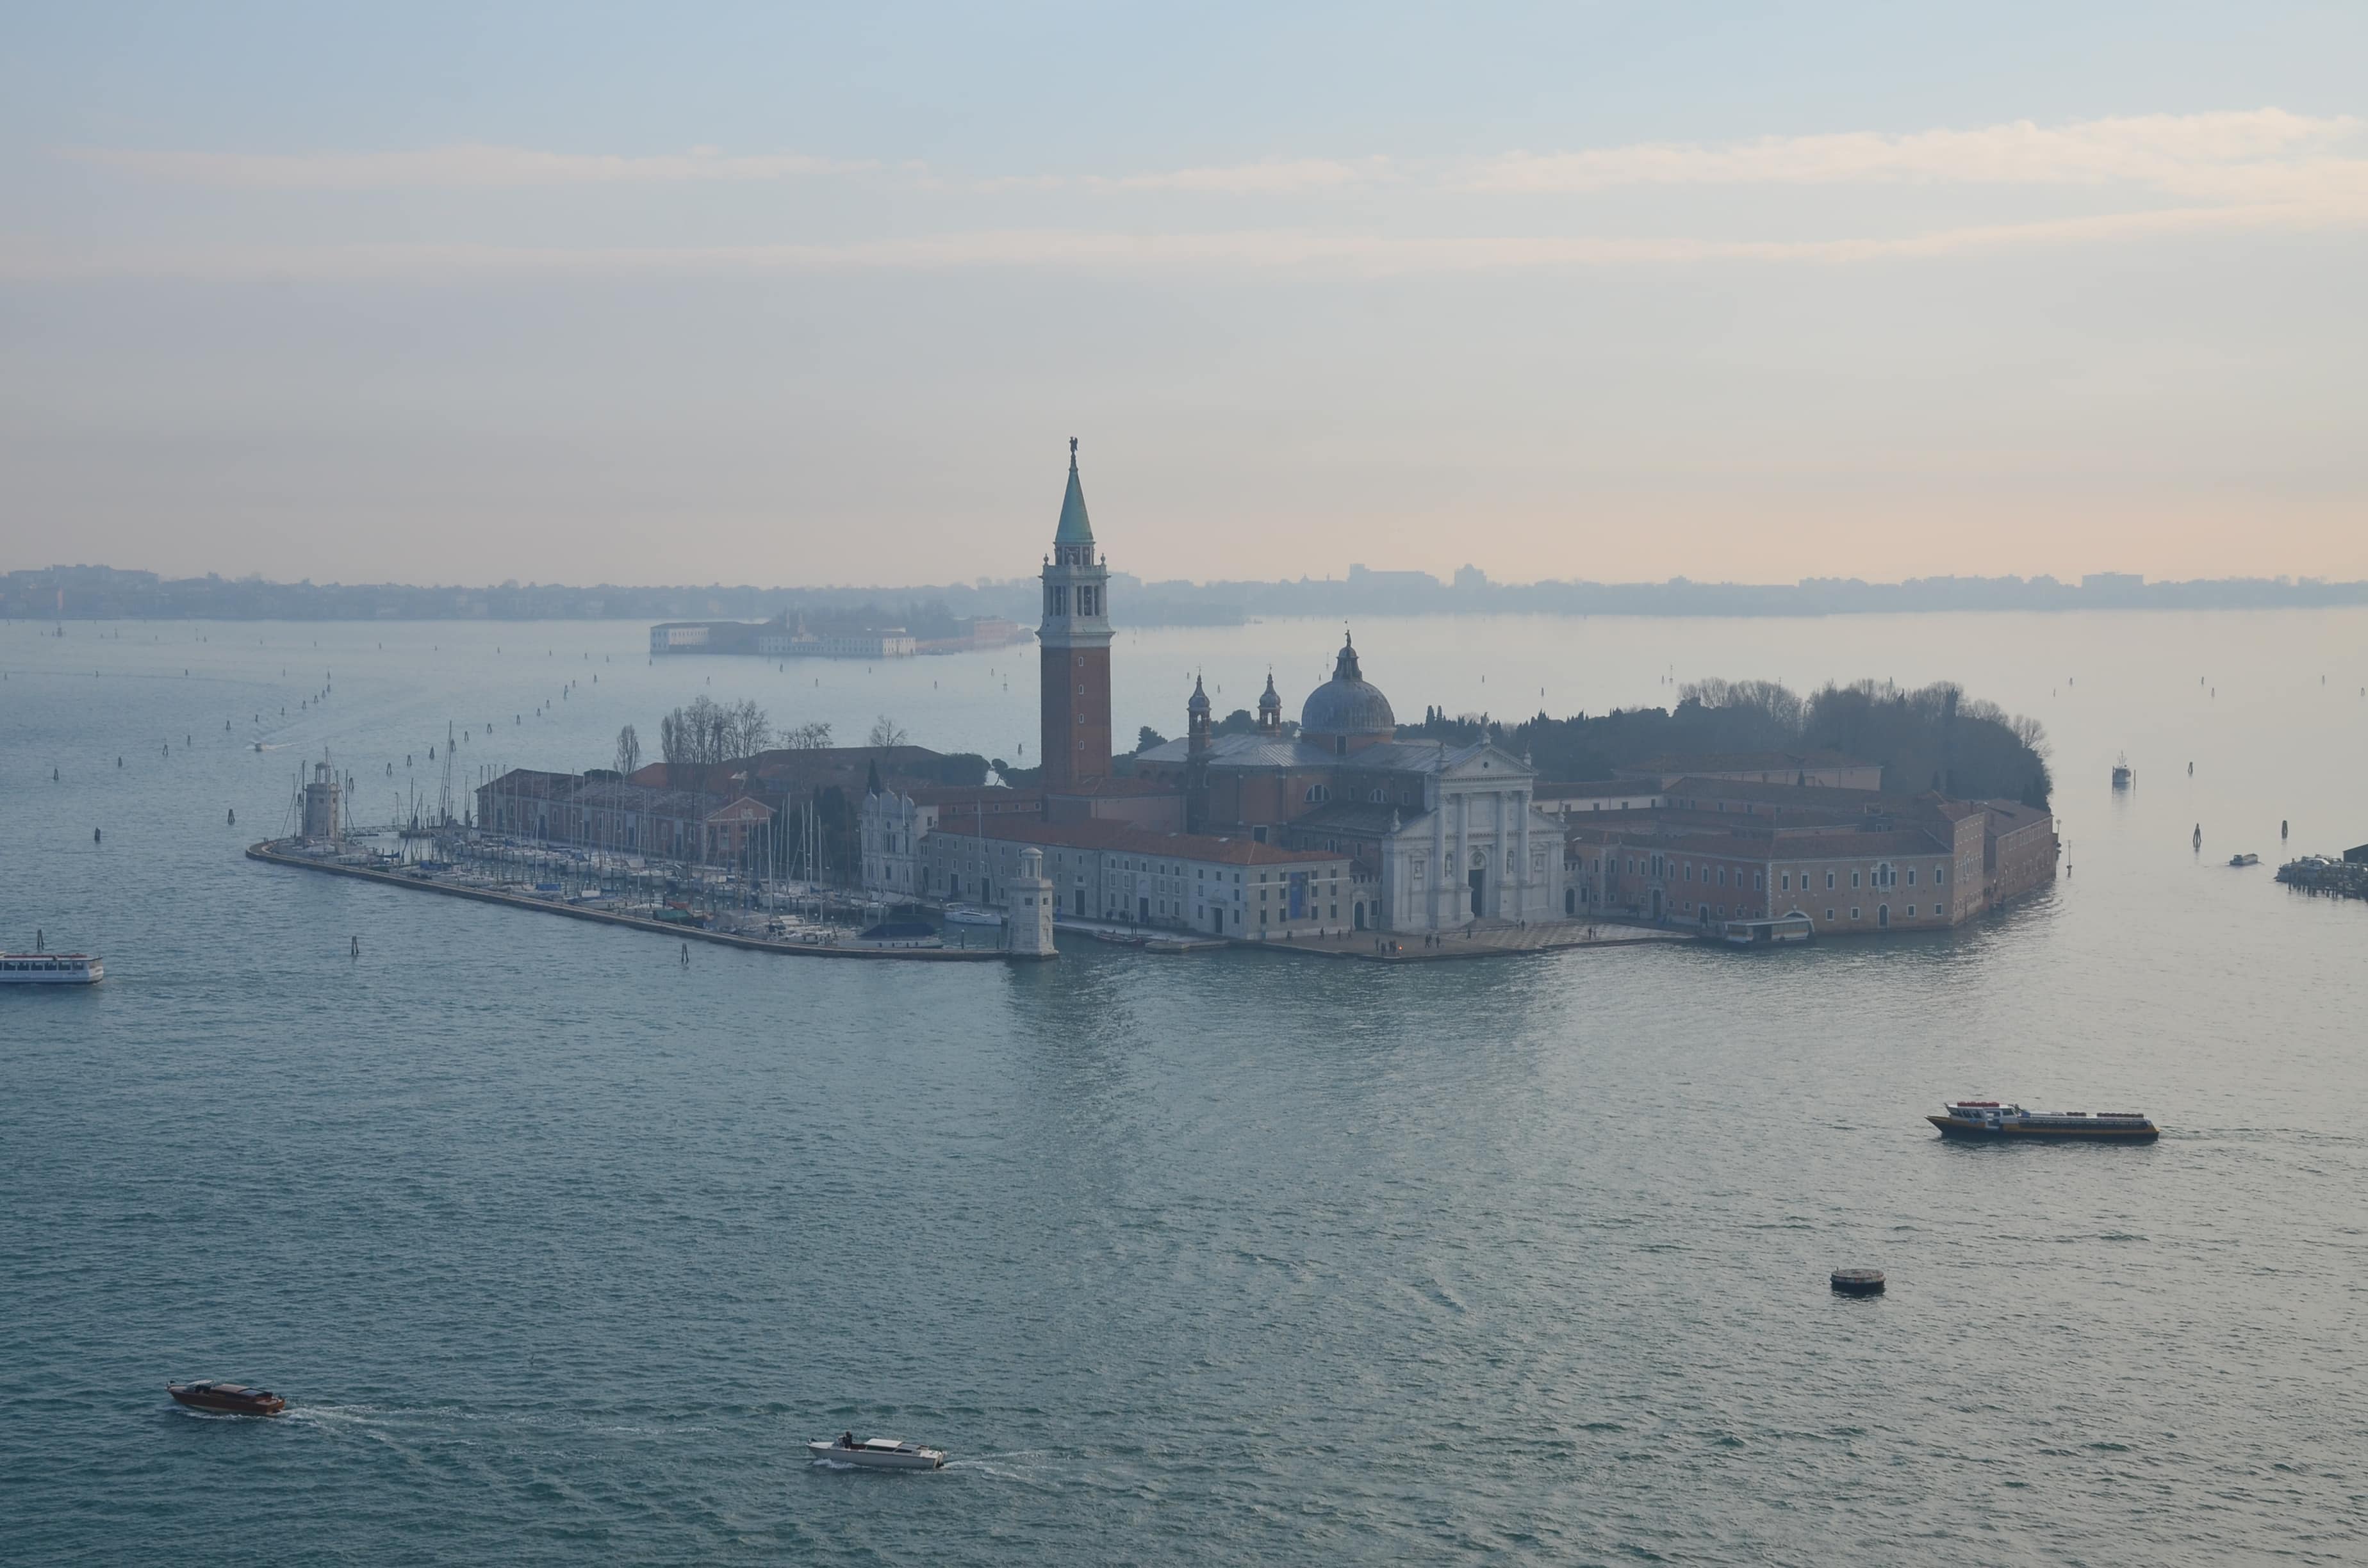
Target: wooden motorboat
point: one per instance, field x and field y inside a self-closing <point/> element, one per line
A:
<point x="226" y="1399"/>
<point x="876" y="1453"/>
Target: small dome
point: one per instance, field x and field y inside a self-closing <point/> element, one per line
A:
<point x="1347" y="704"/>
<point x="1270" y="700"/>
<point x="1198" y="703"/>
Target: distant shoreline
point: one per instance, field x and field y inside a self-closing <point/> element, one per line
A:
<point x="101" y="594"/>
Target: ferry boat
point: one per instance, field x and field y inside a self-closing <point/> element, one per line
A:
<point x="2244" y="859"/>
<point x="876" y="1453"/>
<point x="51" y="969"/>
<point x="226" y="1399"/>
<point x="1990" y="1118"/>
<point x="2123" y="776"/>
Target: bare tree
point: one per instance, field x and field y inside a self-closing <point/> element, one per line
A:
<point x="885" y="733"/>
<point x="707" y="732"/>
<point x="747" y="730"/>
<point x="814" y="736"/>
<point x="628" y="751"/>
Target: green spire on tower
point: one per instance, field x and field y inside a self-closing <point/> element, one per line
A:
<point x="1074" y="528"/>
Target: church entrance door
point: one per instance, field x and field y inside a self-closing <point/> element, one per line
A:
<point x="1360" y="916"/>
<point x="1479" y="890"/>
<point x="1143" y="906"/>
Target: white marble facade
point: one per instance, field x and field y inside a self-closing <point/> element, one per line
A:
<point x="1481" y="852"/>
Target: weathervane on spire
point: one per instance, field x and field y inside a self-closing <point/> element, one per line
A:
<point x="1073" y="451"/>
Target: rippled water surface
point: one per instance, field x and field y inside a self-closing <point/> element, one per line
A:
<point x="561" y="1250"/>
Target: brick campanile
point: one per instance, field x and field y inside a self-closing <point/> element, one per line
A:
<point x="1073" y="650"/>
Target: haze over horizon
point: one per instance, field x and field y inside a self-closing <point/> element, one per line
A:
<point x="1601" y="292"/>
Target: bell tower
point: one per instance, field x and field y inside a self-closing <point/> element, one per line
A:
<point x="1072" y="650"/>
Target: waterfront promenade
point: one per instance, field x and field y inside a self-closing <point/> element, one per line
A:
<point x="1491" y="940"/>
<point x="1487" y="941"/>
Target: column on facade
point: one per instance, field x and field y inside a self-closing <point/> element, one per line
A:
<point x="1464" y="851"/>
<point x="1529" y="901"/>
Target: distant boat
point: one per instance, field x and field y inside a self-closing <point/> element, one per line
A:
<point x="2244" y="859"/>
<point x="1988" y="1118"/>
<point x="2121" y="774"/>
<point x="877" y="1453"/>
<point x="51" y="969"/>
<point x="971" y="915"/>
<point x="226" y="1399"/>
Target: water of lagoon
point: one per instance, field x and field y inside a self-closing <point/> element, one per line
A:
<point x="560" y="1250"/>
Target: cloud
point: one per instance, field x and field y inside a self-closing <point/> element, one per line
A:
<point x="467" y="165"/>
<point x="1286" y="251"/>
<point x="1293" y="177"/>
<point x="2258" y="171"/>
<point x="2199" y="153"/>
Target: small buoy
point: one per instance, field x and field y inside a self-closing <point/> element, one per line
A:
<point x="1858" y="1281"/>
<point x="358" y="946"/>
<point x="2199" y="836"/>
<point x="95" y="834"/>
<point x="2282" y="828"/>
<point x="234" y="816"/>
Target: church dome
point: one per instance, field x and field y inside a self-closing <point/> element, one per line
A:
<point x="1347" y="704"/>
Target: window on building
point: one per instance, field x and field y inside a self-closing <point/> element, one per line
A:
<point x="1853" y="883"/>
<point x="1830" y="914"/>
<point x="1759" y="880"/>
<point x="1853" y="912"/>
<point x="1911" y="876"/>
<point x="1911" y="909"/>
<point x="1940" y="876"/>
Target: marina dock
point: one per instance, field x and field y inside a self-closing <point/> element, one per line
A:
<point x="270" y="850"/>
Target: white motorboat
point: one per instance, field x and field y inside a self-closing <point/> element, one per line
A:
<point x="876" y="1453"/>
<point x="51" y="969"/>
<point x="971" y="915"/>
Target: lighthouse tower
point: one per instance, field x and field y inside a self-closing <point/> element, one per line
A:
<point x="1074" y="649"/>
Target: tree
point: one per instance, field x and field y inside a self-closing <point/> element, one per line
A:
<point x="628" y="751"/>
<point x="885" y="733"/>
<point x="707" y="732"/>
<point x="1147" y="737"/>
<point x="814" y="736"/>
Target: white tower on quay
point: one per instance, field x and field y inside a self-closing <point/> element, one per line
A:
<point x="1028" y="910"/>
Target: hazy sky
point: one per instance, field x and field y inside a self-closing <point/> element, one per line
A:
<point x="578" y="292"/>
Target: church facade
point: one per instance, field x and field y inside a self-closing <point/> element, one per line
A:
<point x="1400" y="835"/>
<point x="1440" y="836"/>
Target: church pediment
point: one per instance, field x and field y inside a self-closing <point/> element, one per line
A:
<point x="1487" y="762"/>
